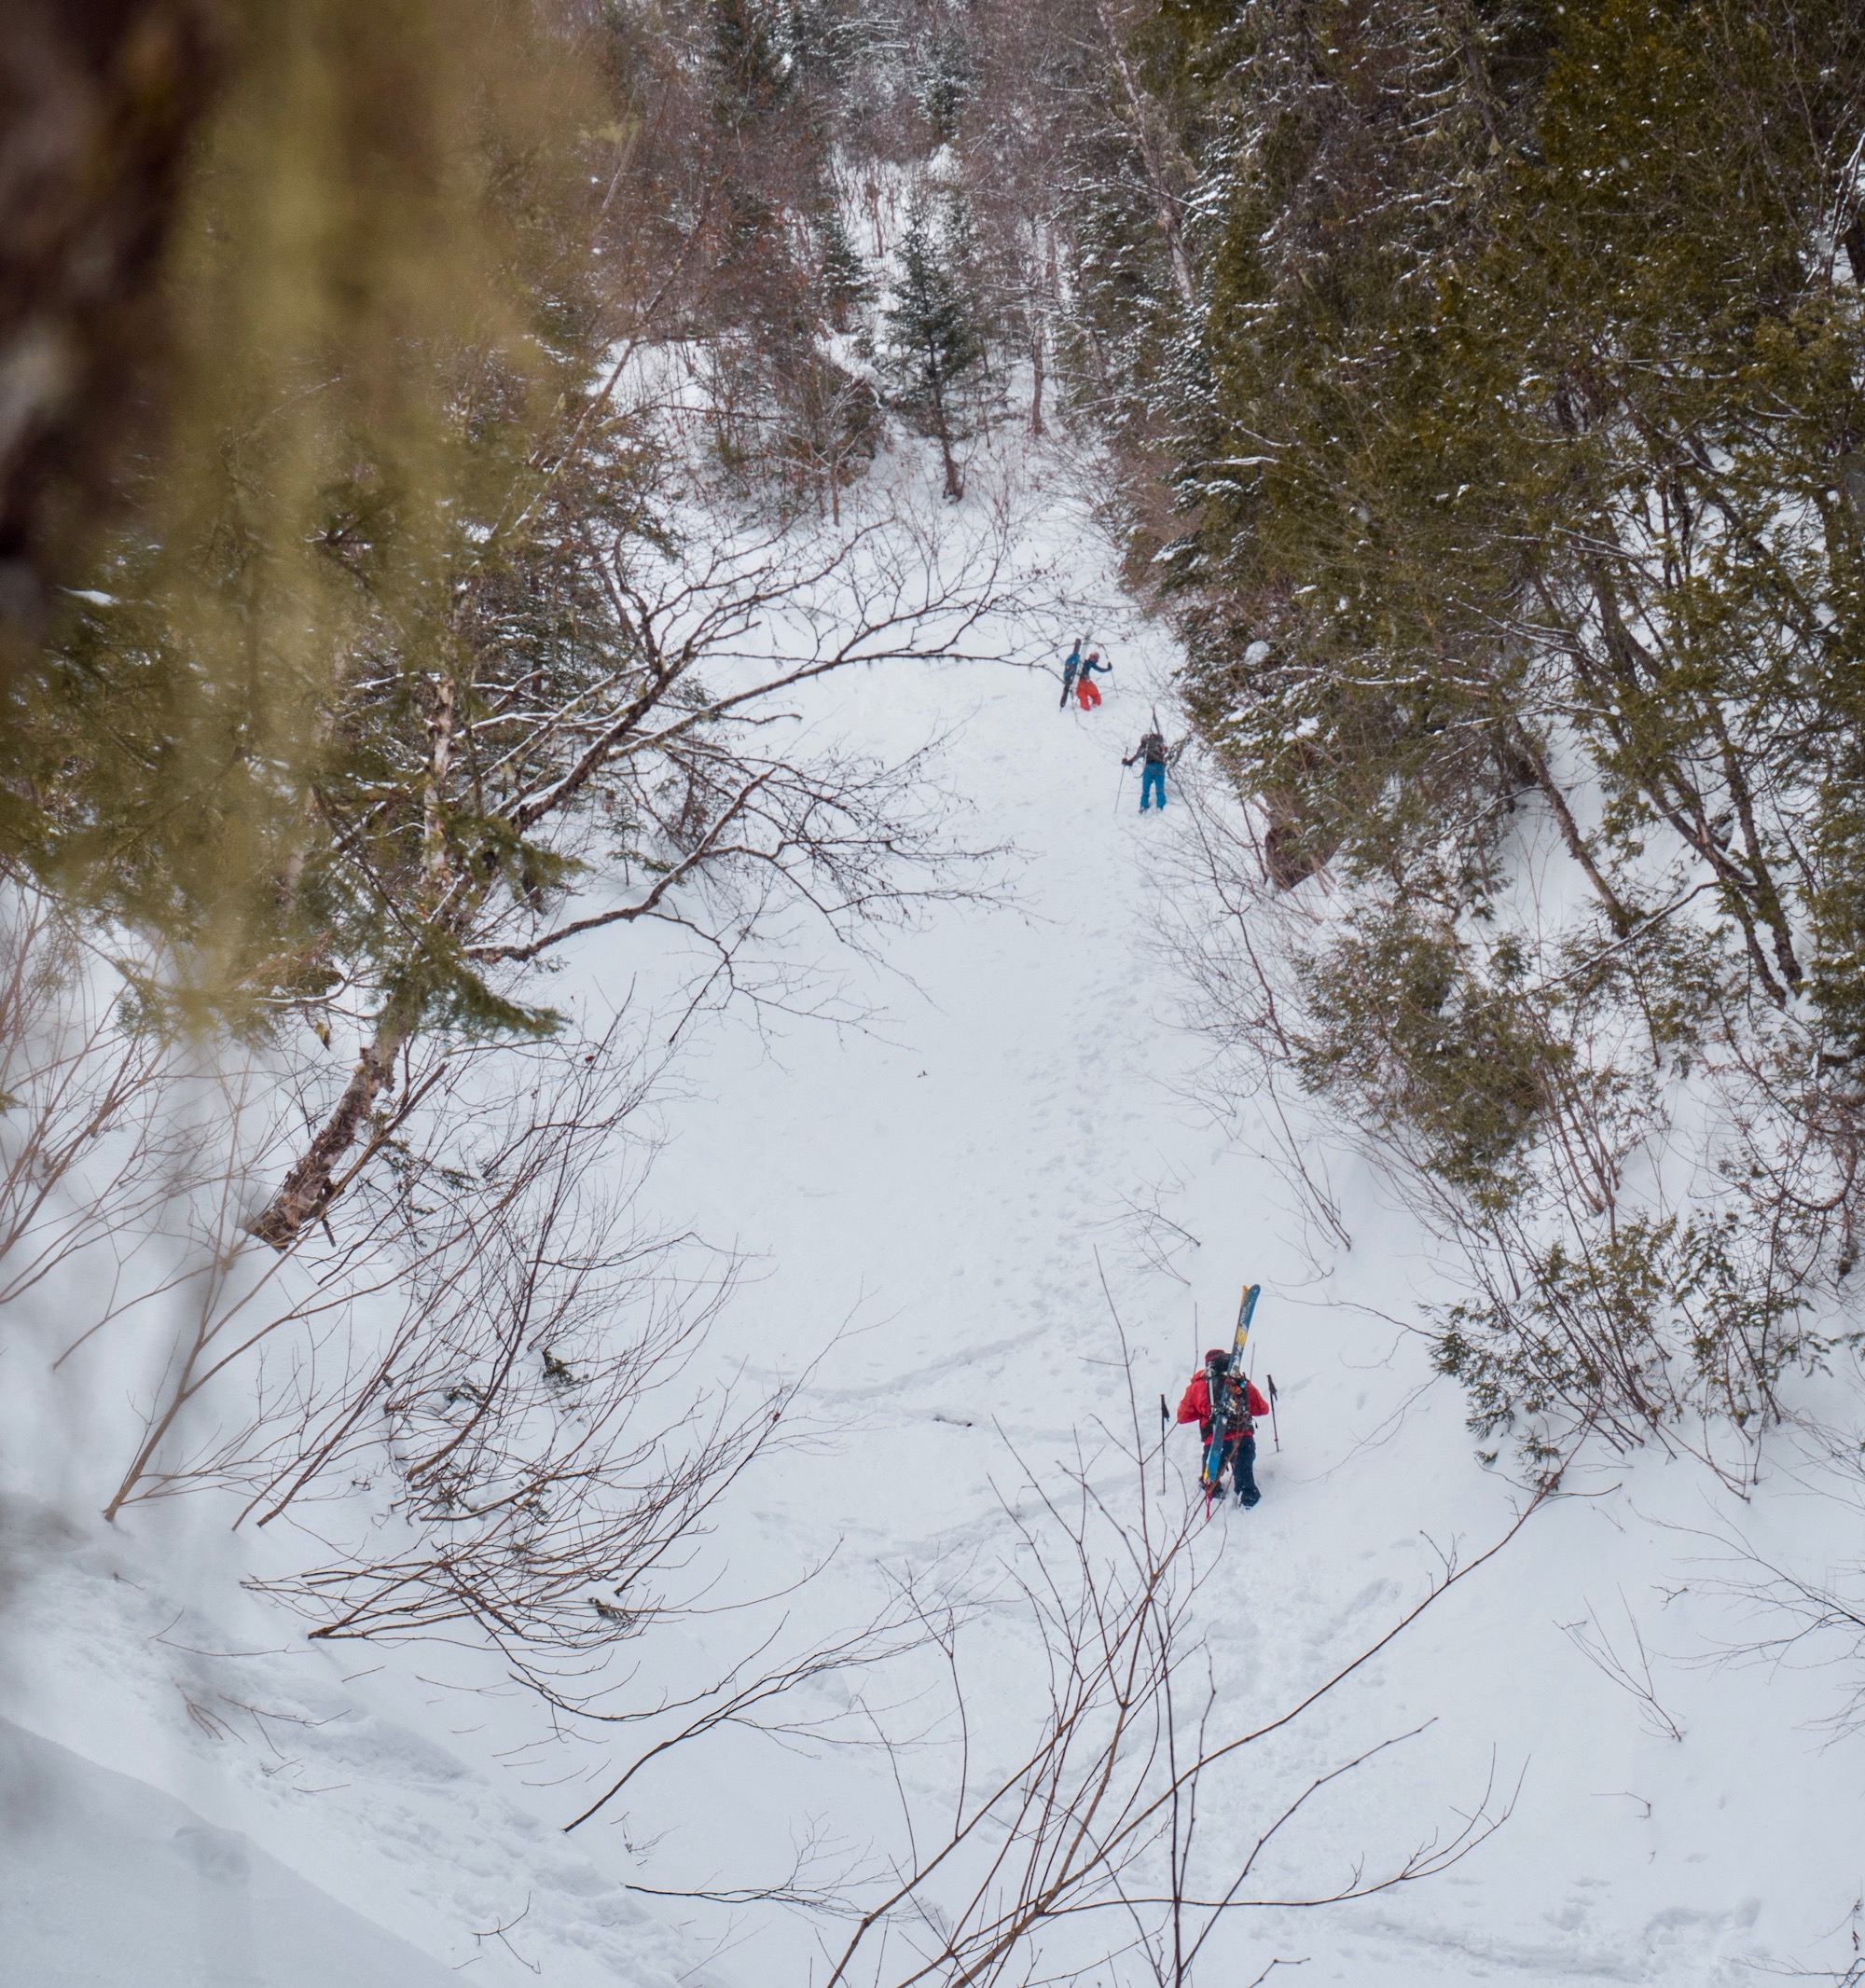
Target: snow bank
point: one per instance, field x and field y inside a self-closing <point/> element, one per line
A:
<point x="110" y="1881"/>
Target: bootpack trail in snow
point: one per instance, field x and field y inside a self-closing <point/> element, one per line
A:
<point x="948" y="1217"/>
<point x="948" y="1191"/>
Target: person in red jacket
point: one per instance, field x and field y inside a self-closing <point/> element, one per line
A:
<point x="1243" y="1403"/>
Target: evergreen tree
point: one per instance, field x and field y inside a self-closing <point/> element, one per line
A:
<point x="948" y="84"/>
<point x="753" y="69"/>
<point x="847" y="283"/>
<point x="339" y="722"/>
<point x="1515" y="456"/>
<point x="934" y="326"/>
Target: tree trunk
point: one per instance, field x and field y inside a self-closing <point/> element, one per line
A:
<point x="941" y="427"/>
<point x="1557" y="803"/>
<point x="1853" y="242"/>
<point x="1165" y="196"/>
<point x="1036" y="379"/>
<point x="309" y="1188"/>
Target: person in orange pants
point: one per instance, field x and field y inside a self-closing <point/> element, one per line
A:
<point x="1086" y="695"/>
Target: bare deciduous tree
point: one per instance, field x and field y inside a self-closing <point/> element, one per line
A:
<point x="650" y="761"/>
<point x="88" y="1144"/>
<point x="525" y="1415"/>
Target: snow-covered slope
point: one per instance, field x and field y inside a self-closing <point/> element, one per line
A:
<point x="956" y="1188"/>
<point x="196" y="1788"/>
<point x="109" y="1880"/>
<point x="954" y="1203"/>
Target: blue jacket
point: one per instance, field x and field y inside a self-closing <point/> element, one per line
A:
<point x="1089" y="666"/>
<point x="1072" y="665"/>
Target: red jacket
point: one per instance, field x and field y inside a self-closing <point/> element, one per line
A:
<point x="1196" y="1407"/>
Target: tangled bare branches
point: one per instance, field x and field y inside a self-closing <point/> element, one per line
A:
<point x="486" y="1329"/>
<point x="1091" y="1756"/>
<point x="612" y="714"/>
<point x="88" y="1141"/>
<point x="522" y="1414"/>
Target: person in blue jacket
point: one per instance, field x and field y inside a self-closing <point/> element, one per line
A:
<point x="1069" y="671"/>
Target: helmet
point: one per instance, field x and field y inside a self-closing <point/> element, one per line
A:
<point x="1219" y="1359"/>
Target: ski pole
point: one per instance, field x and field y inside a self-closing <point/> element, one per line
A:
<point x="1274" y="1431"/>
<point x="1165" y="1430"/>
<point x="1120" y="787"/>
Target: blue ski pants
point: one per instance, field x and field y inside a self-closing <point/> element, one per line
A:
<point x="1153" y="782"/>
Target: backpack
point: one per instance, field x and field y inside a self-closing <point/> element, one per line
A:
<point x="1239" y="1421"/>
